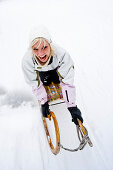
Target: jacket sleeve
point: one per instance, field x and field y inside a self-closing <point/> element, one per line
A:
<point x="66" y="68"/>
<point x="30" y="74"/>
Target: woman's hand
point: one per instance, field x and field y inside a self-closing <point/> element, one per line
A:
<point x="45" y="109"/>
<point x="76" y="114"/>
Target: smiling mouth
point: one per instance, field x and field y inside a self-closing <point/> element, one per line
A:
<point x="43" y="58"/>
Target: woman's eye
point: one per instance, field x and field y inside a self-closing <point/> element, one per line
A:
<point x="44" y="47"/>
<point x="35" y="49"/>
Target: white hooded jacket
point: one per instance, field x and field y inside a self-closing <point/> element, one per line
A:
<point x="60" y="60"/>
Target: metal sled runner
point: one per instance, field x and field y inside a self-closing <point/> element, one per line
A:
<point x="54" y="92"/>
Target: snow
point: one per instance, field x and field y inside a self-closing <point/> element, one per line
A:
<point x="86" y="32"/>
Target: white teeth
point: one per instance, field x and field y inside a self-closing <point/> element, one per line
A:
<point x="42" y="56"/>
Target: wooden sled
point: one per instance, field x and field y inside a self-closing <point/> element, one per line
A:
<point x="54" y="92"/>
<point x="55" y="149"/>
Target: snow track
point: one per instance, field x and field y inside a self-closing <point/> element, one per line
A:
<point x="23" y="144"/>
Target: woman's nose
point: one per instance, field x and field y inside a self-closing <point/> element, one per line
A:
<point x="40" y="52"/>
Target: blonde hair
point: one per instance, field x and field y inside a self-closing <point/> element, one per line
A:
<point x="41" y="39"/>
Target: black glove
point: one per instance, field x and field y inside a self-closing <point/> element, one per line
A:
<point x="76" y="114"/>
<point x="45" y="109"/>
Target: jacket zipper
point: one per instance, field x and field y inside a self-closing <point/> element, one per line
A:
<point x="67" y="95"/>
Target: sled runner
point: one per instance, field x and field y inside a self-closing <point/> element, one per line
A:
<point x="54" y="92"/>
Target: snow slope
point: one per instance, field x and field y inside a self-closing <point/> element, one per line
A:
<point x="86" y="32"/>
<point x="23" y="143"/>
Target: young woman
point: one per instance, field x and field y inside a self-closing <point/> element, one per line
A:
<point x="46" y="62"/>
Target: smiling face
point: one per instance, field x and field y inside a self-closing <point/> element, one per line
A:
<point x="41" y="49"/>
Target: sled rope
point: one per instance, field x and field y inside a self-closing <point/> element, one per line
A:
<point x="83" y="141"/>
